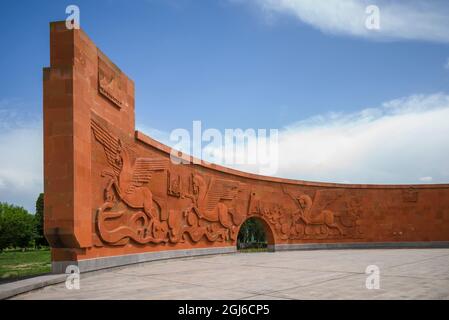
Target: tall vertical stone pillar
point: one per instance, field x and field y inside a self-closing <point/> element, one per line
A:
<point x="80" y="81"/>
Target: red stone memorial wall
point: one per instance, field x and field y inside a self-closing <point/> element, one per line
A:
<point x="114" y="197"/>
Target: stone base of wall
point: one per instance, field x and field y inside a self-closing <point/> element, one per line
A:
<point x="360" y="245"/>
<point x="117" y="261"/>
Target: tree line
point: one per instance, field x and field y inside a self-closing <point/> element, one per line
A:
<point x="19" y="228"/>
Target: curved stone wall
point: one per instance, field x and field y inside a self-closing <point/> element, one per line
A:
<point x="113" y="197"/>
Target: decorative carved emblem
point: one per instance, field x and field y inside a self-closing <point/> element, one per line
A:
<point x="174" y="185"/>
<point x="410" y="195"/>
<point x="110" y="82"/>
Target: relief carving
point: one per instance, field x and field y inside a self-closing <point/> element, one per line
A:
<point x="129" y="210"/>
<point x="315" y="213"/>
<point x="209" y="210"/>
<point x="410" y="195"/>
<point x="109" y="82"/>
<point x="312" y="216"/>
<point x="174" y="185"/>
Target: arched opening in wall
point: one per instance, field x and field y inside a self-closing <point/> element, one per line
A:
<point x="255" y="235"/>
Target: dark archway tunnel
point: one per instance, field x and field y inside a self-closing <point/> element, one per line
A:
<point x="255" y="235"/>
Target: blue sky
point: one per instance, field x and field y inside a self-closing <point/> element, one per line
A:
<point x="287" y="64"/>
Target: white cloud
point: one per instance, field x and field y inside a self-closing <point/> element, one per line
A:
<point x="399" y="142"/>
<point x="412" y="19"/>
<point x="21" y="176"/>
<point x="405" y="140"/>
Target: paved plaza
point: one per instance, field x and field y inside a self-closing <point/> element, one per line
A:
<point x="321" y="274"/>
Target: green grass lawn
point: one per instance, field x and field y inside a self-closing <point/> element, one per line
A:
<point x="15" y="264"/>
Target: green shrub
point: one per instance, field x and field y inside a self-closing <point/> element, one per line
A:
<point x="17" y="227"/>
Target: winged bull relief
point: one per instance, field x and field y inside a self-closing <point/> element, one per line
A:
<point x="130" y="212"/>
<point x="324" y="214"/>
<point x="209" y="210"/>
<point x="128" y="200"/>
